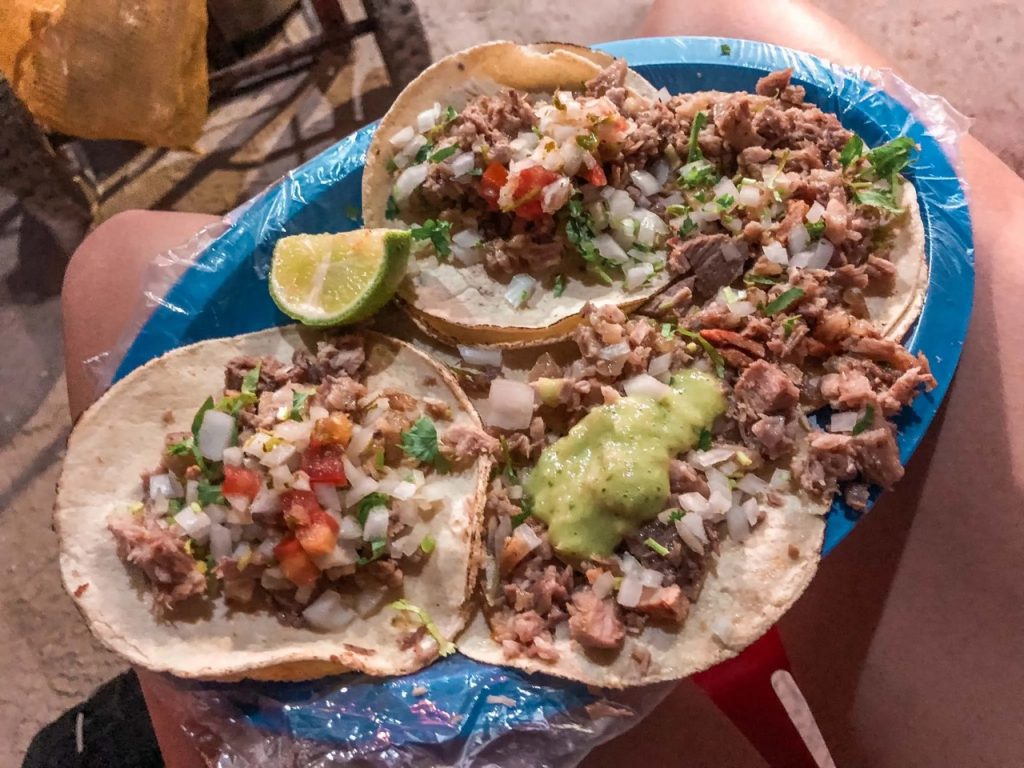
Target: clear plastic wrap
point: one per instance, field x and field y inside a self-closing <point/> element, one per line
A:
<point x="459" y="712"/>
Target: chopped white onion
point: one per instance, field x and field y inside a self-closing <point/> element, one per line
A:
<point x="296" y="432"/>
<point x="726" y="187"/>
<point x="774" y="251"/>
<point x="802" y="259"/>
<point x="509" y="404"/>
<point x="237" y="501"/>
<point x="690" y="528"/>
<point x="520" y="290"/>
<point x="480" y="356"/>
<point x="660" y="171"/>
<point x="165" y="486"/>
<point x="343" y="553"/>
<point x="376" y="524"/>
<point x="350" y="528"/>
<point x="300" y="481"/>
<point x="645" y="385"/>
<point x="408" y="180"/>
<point x="752" y="484"/>
<point x="646" y="183"/>
<point x="630" y="591"/>
<point x="404" y="491"/>
<point x="609" y="249"/>
<point x="527" y="536"/>
<point x="603" y="584"/>
<point x="620" y="204"/>
<point x="741" y="308"/>
<point x="749" y="196"/>
<point x="462" y="164"/>
<point x="360" y="483"/>
<point x="637" y="276"/>
<point x="660" y="366"/>
<point x="798" y="239"/>
<point x="728" y="468"/>
<point x="216" y="512"/>
<point x="195" y="524"/>
<point x="736" y="522"/>
<point x="844" y="421"/>
<point x="220" y="541"/>
<point x="651" y="578"/>
<point x="555" y="194"/>
<point x="427" y="119"/>
<point x="822" y="255"/>
<point x="281" y="476"/>
<point x="361" y="437"/>
<point x="710" y="457"/>
<point x="215" y="434"/>
<point x="191" y="491"/>
<point x="328" y="613"/>
<point x="466" y="238"/>
<point x="693" y="502"/>
<point x="400" y="138"/>
<point x="327" y="495"/>
<point x="780" y="479"/>
<point x="273" y="580"/>
<point x="278" y="455"/>
<point x="815" y="212"/>
<point x="629" y="564"/>
<point x="615" y="351"/>
<point x="751" y="510"/>
<point x="232" y="456"/>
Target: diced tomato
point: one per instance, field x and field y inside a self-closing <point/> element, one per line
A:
<point x="299" y="507"/>
<point x="323" y="465"/>
<point x="611" y="130"/>
<point x="336" y="429"/>
<point x="530" y="184"/>
<point x="596" y="176"/>
<point x="320" y="535"/>
<point x="239" y="481"/>
<point x="295" y="562"/>
<point x="491" y="182"/>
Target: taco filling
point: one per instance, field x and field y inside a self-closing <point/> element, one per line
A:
<point x="623" y="471"/>
<point x="604" y="184"/>
<point x="298" y="491"/>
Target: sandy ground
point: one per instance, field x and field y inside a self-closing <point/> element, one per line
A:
<point x="970" y="52"/>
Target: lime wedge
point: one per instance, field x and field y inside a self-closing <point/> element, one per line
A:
<point x="337" y="279"/>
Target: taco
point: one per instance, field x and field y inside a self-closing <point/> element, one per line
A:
<point x="317" y="514"/>
<point x="538" y="178"/>
<point x="660" y="494"/>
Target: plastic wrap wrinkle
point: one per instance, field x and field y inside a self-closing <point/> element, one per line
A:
<point x="215" y="285"/>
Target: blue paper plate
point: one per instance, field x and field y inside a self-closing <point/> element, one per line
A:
<point x="225" y="293"/>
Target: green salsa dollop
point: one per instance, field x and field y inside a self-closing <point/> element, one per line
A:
<point x="609" y="475"/>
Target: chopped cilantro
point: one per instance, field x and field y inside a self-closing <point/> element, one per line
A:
<point x="789" y="324"/>
<point x="182" y="447"/>
<point x="477" y="172"/>
<point x="693" y="149"/>
<point x="688" y="227"/>
<point x="892" y="157"/>
<point x="699" y="173"/>
<point x="174" y="506"/>
<point x="559" y="288"/>
<point x="443" y="154"/>
<point x="197" y="421"/>
<point x="675" y="514"/>
<point x="816" y="228"/>
<point x="445" y="647"/>
<point x="368" y="502"/>
<point x="852" y="149"/>
<point x="725" y="202"/>
<point x="298" y="404"/>
<point x="519" y="519"/>
<point x="667" y="329"/>
<point x="676" y="209"/>
<point x="877" y="198"/>
<point x="391" y="165"/>
<point x="449" y="114"/>
<point x="713" y="354"/>
<point x="579" y="229"/>
<point x="865" y="421"/>
<point x="783" y="301"/>
<point x="587" y="141"/>
<point x="654" y="545"/>
<point x="391" y="208"/>
<point x="378" y="459"/>
<point x="704" y="441"/>
<point x="208" y="493"/>
<point x="751" y="279"/>
<point x="428" y="544"/>
<point x="377" y="550"/>
<point x="420" y="441"/>
<point x="557" y="102"/>
<point x="251" y="379"/>
<point x="424" y="152"/>
<point x="702" y="196"/>
<point x="438" y="232"/>
<point x="725" y="48"/>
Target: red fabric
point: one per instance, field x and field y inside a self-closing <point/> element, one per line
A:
<point x="742" y="689"/>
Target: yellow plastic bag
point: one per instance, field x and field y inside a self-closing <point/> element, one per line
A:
<point x="110" y="69"/>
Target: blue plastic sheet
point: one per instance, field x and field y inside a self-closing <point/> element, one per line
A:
<point x="459" y="712"/>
